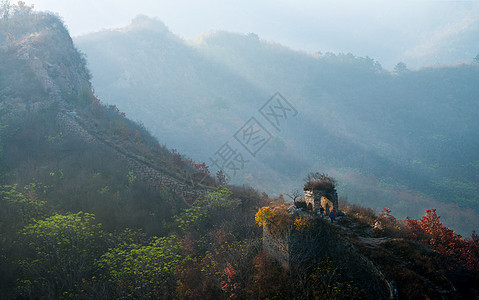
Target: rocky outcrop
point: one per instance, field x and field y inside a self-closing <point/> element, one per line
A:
<point x="27" y="53"/>
<point x="43" y="43"/>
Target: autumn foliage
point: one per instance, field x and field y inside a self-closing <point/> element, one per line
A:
<point x="429" y="229"/>
<point x="276" y="218"/>
<point x="264" y="216"/>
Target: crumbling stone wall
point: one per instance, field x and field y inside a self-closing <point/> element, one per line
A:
<point x="294" y="249"/>
<point x="64" y="77"/>
<point x="68" y="124"/>
<point x="278" y="247"/>
<point x="157" y="179"/>
<point x="327" y="199"/>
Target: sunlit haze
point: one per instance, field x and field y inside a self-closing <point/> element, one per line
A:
<point x="227" y="149"/>
<point x="419" y="33"/>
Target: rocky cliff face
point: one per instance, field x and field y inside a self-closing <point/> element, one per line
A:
<point x="40" y="47"/>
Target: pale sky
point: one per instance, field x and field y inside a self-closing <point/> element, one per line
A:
<point x="417" y="32"/>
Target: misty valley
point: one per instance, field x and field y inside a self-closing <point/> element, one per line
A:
<point x="138" y="164"/>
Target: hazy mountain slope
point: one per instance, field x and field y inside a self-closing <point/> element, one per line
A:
<point x="91" y="206"/>
<point x="185" y="98"/>
<point x="55" y="134"/>
<point x="403" y="138"/>
<point x="71" y="168"/>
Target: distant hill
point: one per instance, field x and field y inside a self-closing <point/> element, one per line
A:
<point x="92" y="206"/>
<point x="406" y="139"/>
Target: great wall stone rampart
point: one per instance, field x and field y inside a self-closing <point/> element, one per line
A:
<point x="316" y="198"/>
<point x="293" y="249"/>
<point x="71" y="123"/>
<point x="68" y="121"/>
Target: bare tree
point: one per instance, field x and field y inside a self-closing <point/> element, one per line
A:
<point x="315" y="179"/>
<point x="295" y="194"/>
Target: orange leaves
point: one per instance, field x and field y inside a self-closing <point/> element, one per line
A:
<point x="430" y="223"/>
<point x="229" y="282"/>
<point x="264" y="216"/>
<point x="386" y="215"/>
<point x="447" y="242"/>
<point x="470" y="252"/>
<point x="302" y="224"/>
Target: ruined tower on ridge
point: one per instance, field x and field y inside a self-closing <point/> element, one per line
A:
<point x="321" y="191"/>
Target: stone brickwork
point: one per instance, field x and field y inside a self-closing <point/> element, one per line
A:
<point x="158" y="180"/>
<point x="69" y="125"/>
<point x="278" y="247"/>
<point x="324" y="240"/>
<point x="315" y="198"/>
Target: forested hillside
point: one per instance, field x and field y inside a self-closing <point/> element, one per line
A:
<point x="405" y="138"/>
<point x="93" y="207"/>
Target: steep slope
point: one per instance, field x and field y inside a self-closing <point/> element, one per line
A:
<point x="405" y="140"/>
<point x="79" y="181"/>
<point x="386" y="258"/>
<point x="91" y="206"/>
<point x="56" y="133"/>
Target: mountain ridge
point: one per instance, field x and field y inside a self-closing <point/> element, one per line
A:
<point x="414" y="131"/>
<point x="92" y="206"/>
<point x="63" y="94"/>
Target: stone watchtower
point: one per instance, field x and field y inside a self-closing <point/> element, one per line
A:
<point x="321" y="193"/>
